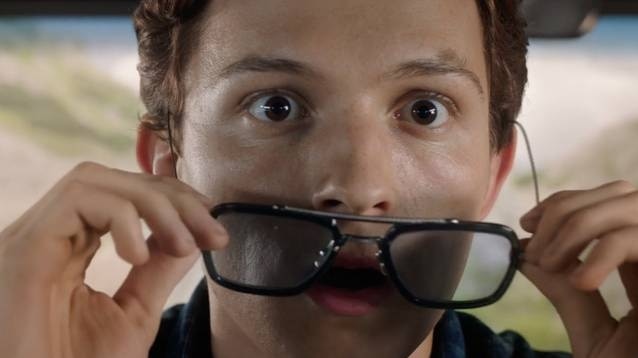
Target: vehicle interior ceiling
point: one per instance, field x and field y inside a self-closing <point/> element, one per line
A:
<point x="546" y="19"/>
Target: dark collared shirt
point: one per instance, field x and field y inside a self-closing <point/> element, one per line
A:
<point x="185" y="333"/>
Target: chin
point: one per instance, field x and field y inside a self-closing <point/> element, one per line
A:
<point x="298" y="327"/>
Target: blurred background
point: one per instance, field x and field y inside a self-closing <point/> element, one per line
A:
<point x="69" y="93"/>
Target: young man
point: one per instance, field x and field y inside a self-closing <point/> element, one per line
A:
<point x="379" y="108"/>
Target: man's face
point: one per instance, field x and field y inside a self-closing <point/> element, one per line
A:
<point x="358" y="106"/>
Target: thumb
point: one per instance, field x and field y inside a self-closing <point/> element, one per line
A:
<point x="584" y="313"/>
<point x="147" y="287"/>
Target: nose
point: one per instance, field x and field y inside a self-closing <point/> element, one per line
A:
<point x="357" y="175"/>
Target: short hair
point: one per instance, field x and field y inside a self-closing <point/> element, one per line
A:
<point x="167" y="33"/>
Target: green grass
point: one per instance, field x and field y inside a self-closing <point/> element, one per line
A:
<point x="66" y="105"/>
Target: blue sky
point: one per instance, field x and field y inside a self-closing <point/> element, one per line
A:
<point x="613" y="33"/>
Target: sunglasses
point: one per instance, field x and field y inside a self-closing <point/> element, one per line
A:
<point x="276" y="250"/>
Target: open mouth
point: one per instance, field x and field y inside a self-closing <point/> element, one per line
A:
<point x="352" y="279"/>
<point x="353" y="286"/>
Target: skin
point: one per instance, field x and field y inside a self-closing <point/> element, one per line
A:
<point x="350" y="154"/>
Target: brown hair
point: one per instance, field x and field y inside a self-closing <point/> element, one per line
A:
<point x="167" y="33"/>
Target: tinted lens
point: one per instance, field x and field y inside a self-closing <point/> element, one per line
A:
<point x="451" y="266"/>
<point x="271" y="252"/>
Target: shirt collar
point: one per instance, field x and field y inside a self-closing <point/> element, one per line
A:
<point x="194" y="335"/>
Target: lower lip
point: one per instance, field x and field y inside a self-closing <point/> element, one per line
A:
<point x="346" y="302"/>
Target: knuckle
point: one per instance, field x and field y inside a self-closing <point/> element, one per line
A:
<point x="167" y="180"/>
<point x="157" y="199"/>
<point x="126" y="209"/>
<point x="180" y="189"/>
<point x="623" y="186"/>
<point x="614" y="236"/>
<point x="9" y="231"/>
<point x="558" y="209"/>
<point x="575" y="222"/>
<point x="548" y="262"/>
<point x="184" y="196"/>
<point x="174" y="183"/>
<point x="86" y="167"/>
<point x="633" y="196"/>
<point x="147" y="177"/>
<point x="155" y="178"/>
<point x="74" y="189"/>
<point x="140" y="313"/>
<point x="559" y="196"/>
<point x="181" y="200"/>
<point x="168" y="183"/>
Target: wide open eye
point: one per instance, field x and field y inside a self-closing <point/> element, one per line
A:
<point x="427" y="112"/>
<point x="275" y="108"/>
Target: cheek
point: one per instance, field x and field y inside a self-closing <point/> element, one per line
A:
<point x="231" y="167"/>
<point x="446" y="182"/>
<point x="443" y="179"/>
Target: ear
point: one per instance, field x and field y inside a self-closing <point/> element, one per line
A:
<point x="153" y="153"/>
<point x="500" y="166"/>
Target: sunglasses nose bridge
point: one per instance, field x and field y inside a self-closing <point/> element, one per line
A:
<point x="366" y="239"/>
<point x="370" y="240"/>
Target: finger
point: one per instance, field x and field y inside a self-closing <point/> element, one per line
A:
<point x="584" y="314"/>
<point x="193" y="207"/>
<point x="76" y="219"/>
<point x="163" y="220"/>
<point x="587" y="224"/>
<point x="530" y="220"/>
<point x="629" y="279"/>
<point x="165" y="183"/>
<point x="147" y="287"/>
<point x="100" y="174"/>
<point x="155" y="198"/>
<point x="209" y="234"/>
<point x="558" y="208"/>
<point x="119" y="217"/>
<point x="611" y="251"/>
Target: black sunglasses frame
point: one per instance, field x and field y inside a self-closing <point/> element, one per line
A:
<point x="399" y="226"/>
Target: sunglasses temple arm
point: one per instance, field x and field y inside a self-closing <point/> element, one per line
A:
<point x="170" y="144"/>
<point x="531" y="160"/>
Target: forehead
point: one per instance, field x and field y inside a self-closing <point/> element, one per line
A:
<point x="351" y="38"/>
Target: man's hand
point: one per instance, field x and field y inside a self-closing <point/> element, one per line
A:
<point x="563" y="226"/>
<point x="46" y="309"/>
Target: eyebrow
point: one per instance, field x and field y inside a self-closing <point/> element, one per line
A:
<point x="447" y="62"/>
<point x="267" y="64"/>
